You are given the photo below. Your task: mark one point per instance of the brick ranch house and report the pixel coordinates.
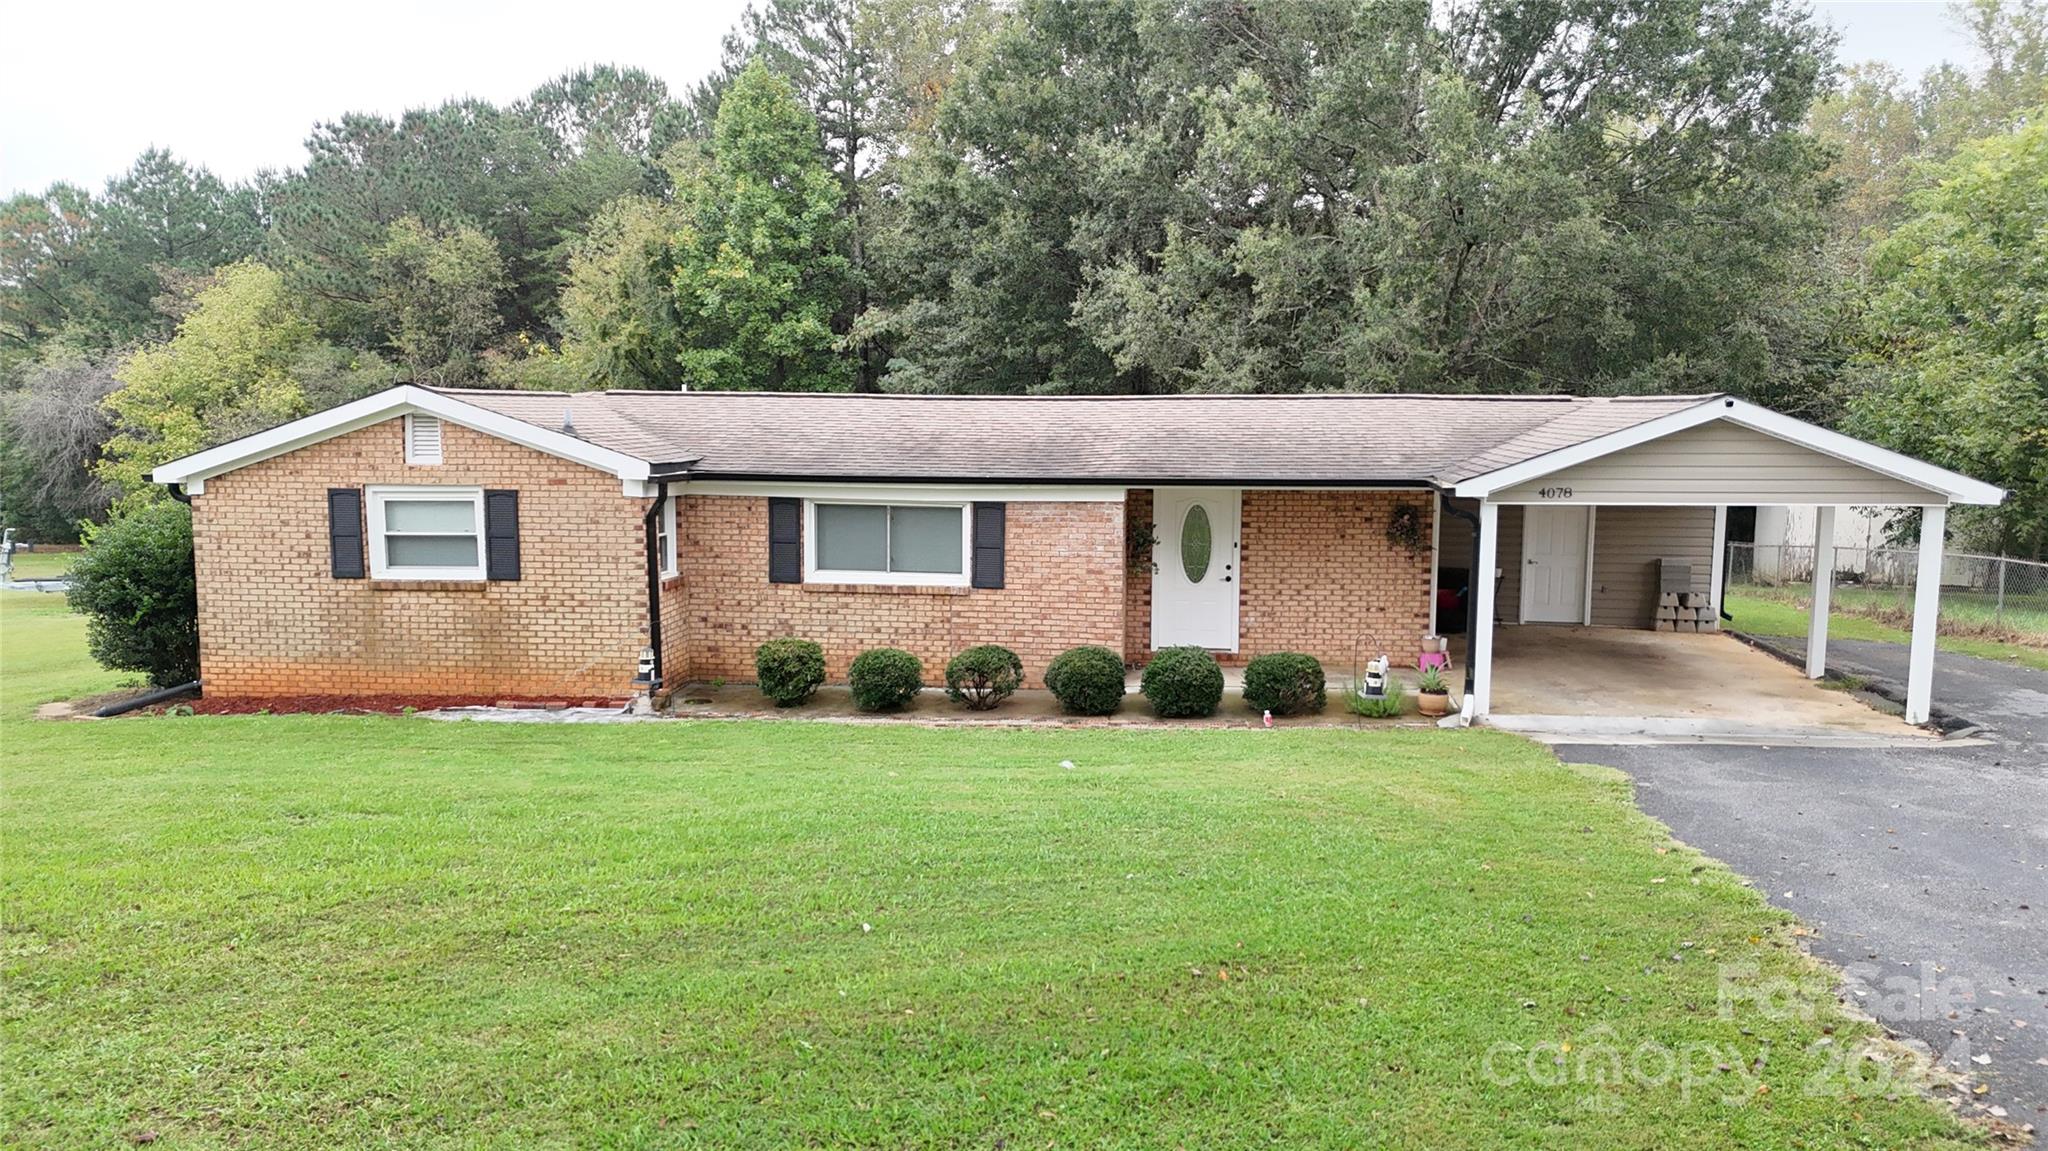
(531, 544)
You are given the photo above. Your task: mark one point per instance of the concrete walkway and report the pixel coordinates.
(1923, 870)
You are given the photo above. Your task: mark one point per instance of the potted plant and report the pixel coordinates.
(1431, 696)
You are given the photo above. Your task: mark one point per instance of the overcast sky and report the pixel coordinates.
(236, 86)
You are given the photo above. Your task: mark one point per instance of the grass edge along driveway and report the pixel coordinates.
(1783, 615)
(329, 931)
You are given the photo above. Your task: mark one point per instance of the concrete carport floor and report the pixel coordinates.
(1618, 683)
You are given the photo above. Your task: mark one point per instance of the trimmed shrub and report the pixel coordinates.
(789, 670)
(885, 679)
(1183, 682)
(1285, 683)
(984, 676)
(1087, 680)
(134, 584)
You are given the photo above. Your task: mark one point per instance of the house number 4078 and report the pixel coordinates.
(1554, 493)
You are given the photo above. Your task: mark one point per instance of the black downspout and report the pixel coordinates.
(178, 493)
(1473, 568)
(651, 525)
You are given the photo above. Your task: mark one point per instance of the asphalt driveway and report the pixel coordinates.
(1922, 871)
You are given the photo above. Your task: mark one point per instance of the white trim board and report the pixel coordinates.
(940, 493)
(1957, 487)
(403, 400)
(1592, 525)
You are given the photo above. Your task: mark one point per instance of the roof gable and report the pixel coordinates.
(194, 470)
(1892, 476)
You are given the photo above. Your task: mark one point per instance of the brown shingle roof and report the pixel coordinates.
(1340, 438)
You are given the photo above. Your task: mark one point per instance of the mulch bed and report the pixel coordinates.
(367, 704)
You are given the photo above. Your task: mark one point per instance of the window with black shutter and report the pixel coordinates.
(501, 534)
(345, 533)
(989, 526)
(785, 540)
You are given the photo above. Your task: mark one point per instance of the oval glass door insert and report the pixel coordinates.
(1195, 543)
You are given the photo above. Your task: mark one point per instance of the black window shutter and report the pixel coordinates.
(785, 540)
(988, 545)
(345, 533)
(501, 535)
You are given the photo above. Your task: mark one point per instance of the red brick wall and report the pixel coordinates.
(1318, 576)
(273, 621)
(1063, 586)
(1138, 585)
(1321, 577)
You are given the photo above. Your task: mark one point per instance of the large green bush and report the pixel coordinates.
(885, 679)
(789, 670)
(1285, 683)
(983, 676)
(1087, 680)
(1183, 682)
(135, 587)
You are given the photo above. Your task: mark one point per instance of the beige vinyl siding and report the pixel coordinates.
(1721, 463)
(1507, 602)
(1628, 542)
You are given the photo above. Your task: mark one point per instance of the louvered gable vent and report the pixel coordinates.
(422, 440)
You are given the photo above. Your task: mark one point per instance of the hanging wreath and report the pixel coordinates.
(1404, 527)
(1139, 539)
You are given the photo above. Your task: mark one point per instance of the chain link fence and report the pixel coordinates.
(1981, 594)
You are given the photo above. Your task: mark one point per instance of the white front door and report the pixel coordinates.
(1195, 567)
(1553, 564)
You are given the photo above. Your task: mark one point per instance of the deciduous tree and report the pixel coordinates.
(439, 294)
(759, 258)
(227, 372)
(1956, 366)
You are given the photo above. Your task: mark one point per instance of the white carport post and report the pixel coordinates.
(1483, 566)
(1926, 615)
(1823, 592)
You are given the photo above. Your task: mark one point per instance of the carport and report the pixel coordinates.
(1595, 533)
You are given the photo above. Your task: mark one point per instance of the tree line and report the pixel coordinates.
(1073, 196)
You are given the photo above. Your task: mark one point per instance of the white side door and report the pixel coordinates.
(1553, 564)
(1195, 567)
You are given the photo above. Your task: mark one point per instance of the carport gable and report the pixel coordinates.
(1725, 451)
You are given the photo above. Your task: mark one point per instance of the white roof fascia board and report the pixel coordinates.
(405, 399)
(1957, 487)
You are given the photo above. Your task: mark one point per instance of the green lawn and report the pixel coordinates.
(1762, 611)
(343, 932)
(42, 565)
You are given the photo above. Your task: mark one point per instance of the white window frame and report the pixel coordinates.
(379, 496)
(419, 459)
(815, 574)
(666, 539)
